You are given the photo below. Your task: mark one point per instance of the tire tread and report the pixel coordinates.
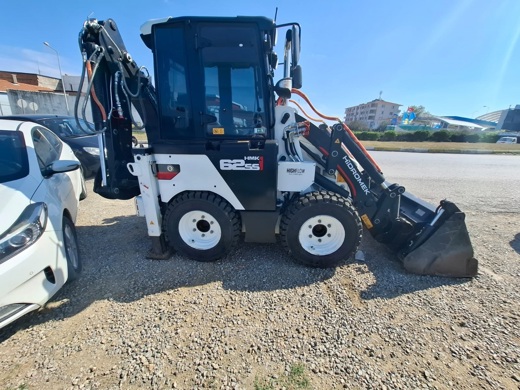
(311, 199)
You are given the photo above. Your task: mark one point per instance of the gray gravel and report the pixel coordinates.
(132, 323)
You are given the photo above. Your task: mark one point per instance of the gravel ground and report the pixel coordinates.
(250, 318)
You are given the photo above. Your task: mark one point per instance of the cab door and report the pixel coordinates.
(234, 111)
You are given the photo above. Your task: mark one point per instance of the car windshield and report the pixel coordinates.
(67, 127)
(14, 163)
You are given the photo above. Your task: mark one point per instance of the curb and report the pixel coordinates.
(425, 150)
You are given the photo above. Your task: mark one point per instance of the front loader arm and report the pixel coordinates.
(429, 240)
(377, 202)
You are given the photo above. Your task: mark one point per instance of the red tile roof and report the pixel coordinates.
(5, 85)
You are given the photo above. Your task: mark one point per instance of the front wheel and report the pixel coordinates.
(201, 225)
(84, 191)
(70, 242)
(321, 229)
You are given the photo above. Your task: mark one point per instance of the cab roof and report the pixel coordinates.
(146, 29)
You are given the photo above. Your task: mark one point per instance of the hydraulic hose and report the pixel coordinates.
(304, 113)
(91, 75)
(330, 118)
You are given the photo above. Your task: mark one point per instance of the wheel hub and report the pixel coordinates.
(321, 235)
(200, 230)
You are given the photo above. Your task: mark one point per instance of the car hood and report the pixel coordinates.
(16, 196)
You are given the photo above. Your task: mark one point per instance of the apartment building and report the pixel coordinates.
(373, 113)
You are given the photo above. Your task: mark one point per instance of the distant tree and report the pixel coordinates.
(420, 111)
(382, 126)
(358, 126)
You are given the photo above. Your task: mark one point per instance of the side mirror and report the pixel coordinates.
(295, 45)
(273, 60)
(60, 166)
(296, 75)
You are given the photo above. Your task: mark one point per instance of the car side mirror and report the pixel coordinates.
(60, 166)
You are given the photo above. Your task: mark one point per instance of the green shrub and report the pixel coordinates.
(440, 136)
(407, 137)
(388, 136)
(368, 136)
(421, 135)
(458, 137)
(489, 138)
(472, 138)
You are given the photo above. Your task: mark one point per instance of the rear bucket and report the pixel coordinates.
(447, 252)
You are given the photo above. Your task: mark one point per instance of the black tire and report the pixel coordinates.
(84, 192)
(70, 243)
(201, 225)
(321, 229)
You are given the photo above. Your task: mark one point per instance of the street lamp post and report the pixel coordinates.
(61, 76)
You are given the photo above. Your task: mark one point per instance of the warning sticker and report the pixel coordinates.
(218, 131)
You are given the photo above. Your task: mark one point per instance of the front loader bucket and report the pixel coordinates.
(447, 252)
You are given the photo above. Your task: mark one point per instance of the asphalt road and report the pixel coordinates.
(475, 182)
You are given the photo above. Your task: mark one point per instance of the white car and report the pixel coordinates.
(40, 186)
(507, 140)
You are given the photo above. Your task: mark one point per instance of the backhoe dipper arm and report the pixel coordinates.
(116, 82)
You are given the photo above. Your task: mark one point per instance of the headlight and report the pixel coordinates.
(91, 150)
(24, 232)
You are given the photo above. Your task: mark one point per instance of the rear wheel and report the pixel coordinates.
(70, 242)
(321, 229)
(201, 225)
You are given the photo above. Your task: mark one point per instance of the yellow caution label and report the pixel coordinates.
(366, 221)
(337, 141)
(218, 131)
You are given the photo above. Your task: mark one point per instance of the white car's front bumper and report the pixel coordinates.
(32, 277)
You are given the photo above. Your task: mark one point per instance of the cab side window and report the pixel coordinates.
(174, 104)
(233, 95)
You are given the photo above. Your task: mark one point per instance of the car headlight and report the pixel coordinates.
(24, 232)
(91, 150)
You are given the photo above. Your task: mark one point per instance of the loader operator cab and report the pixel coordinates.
(214, 76)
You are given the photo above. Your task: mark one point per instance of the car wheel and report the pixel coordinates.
(202, 226)
(321, 229)
(70, 242)
(84, 191)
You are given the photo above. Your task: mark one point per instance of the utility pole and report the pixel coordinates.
(61, 76)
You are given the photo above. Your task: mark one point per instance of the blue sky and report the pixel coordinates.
(453, 57)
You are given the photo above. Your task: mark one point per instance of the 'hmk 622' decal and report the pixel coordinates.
(248, 163)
